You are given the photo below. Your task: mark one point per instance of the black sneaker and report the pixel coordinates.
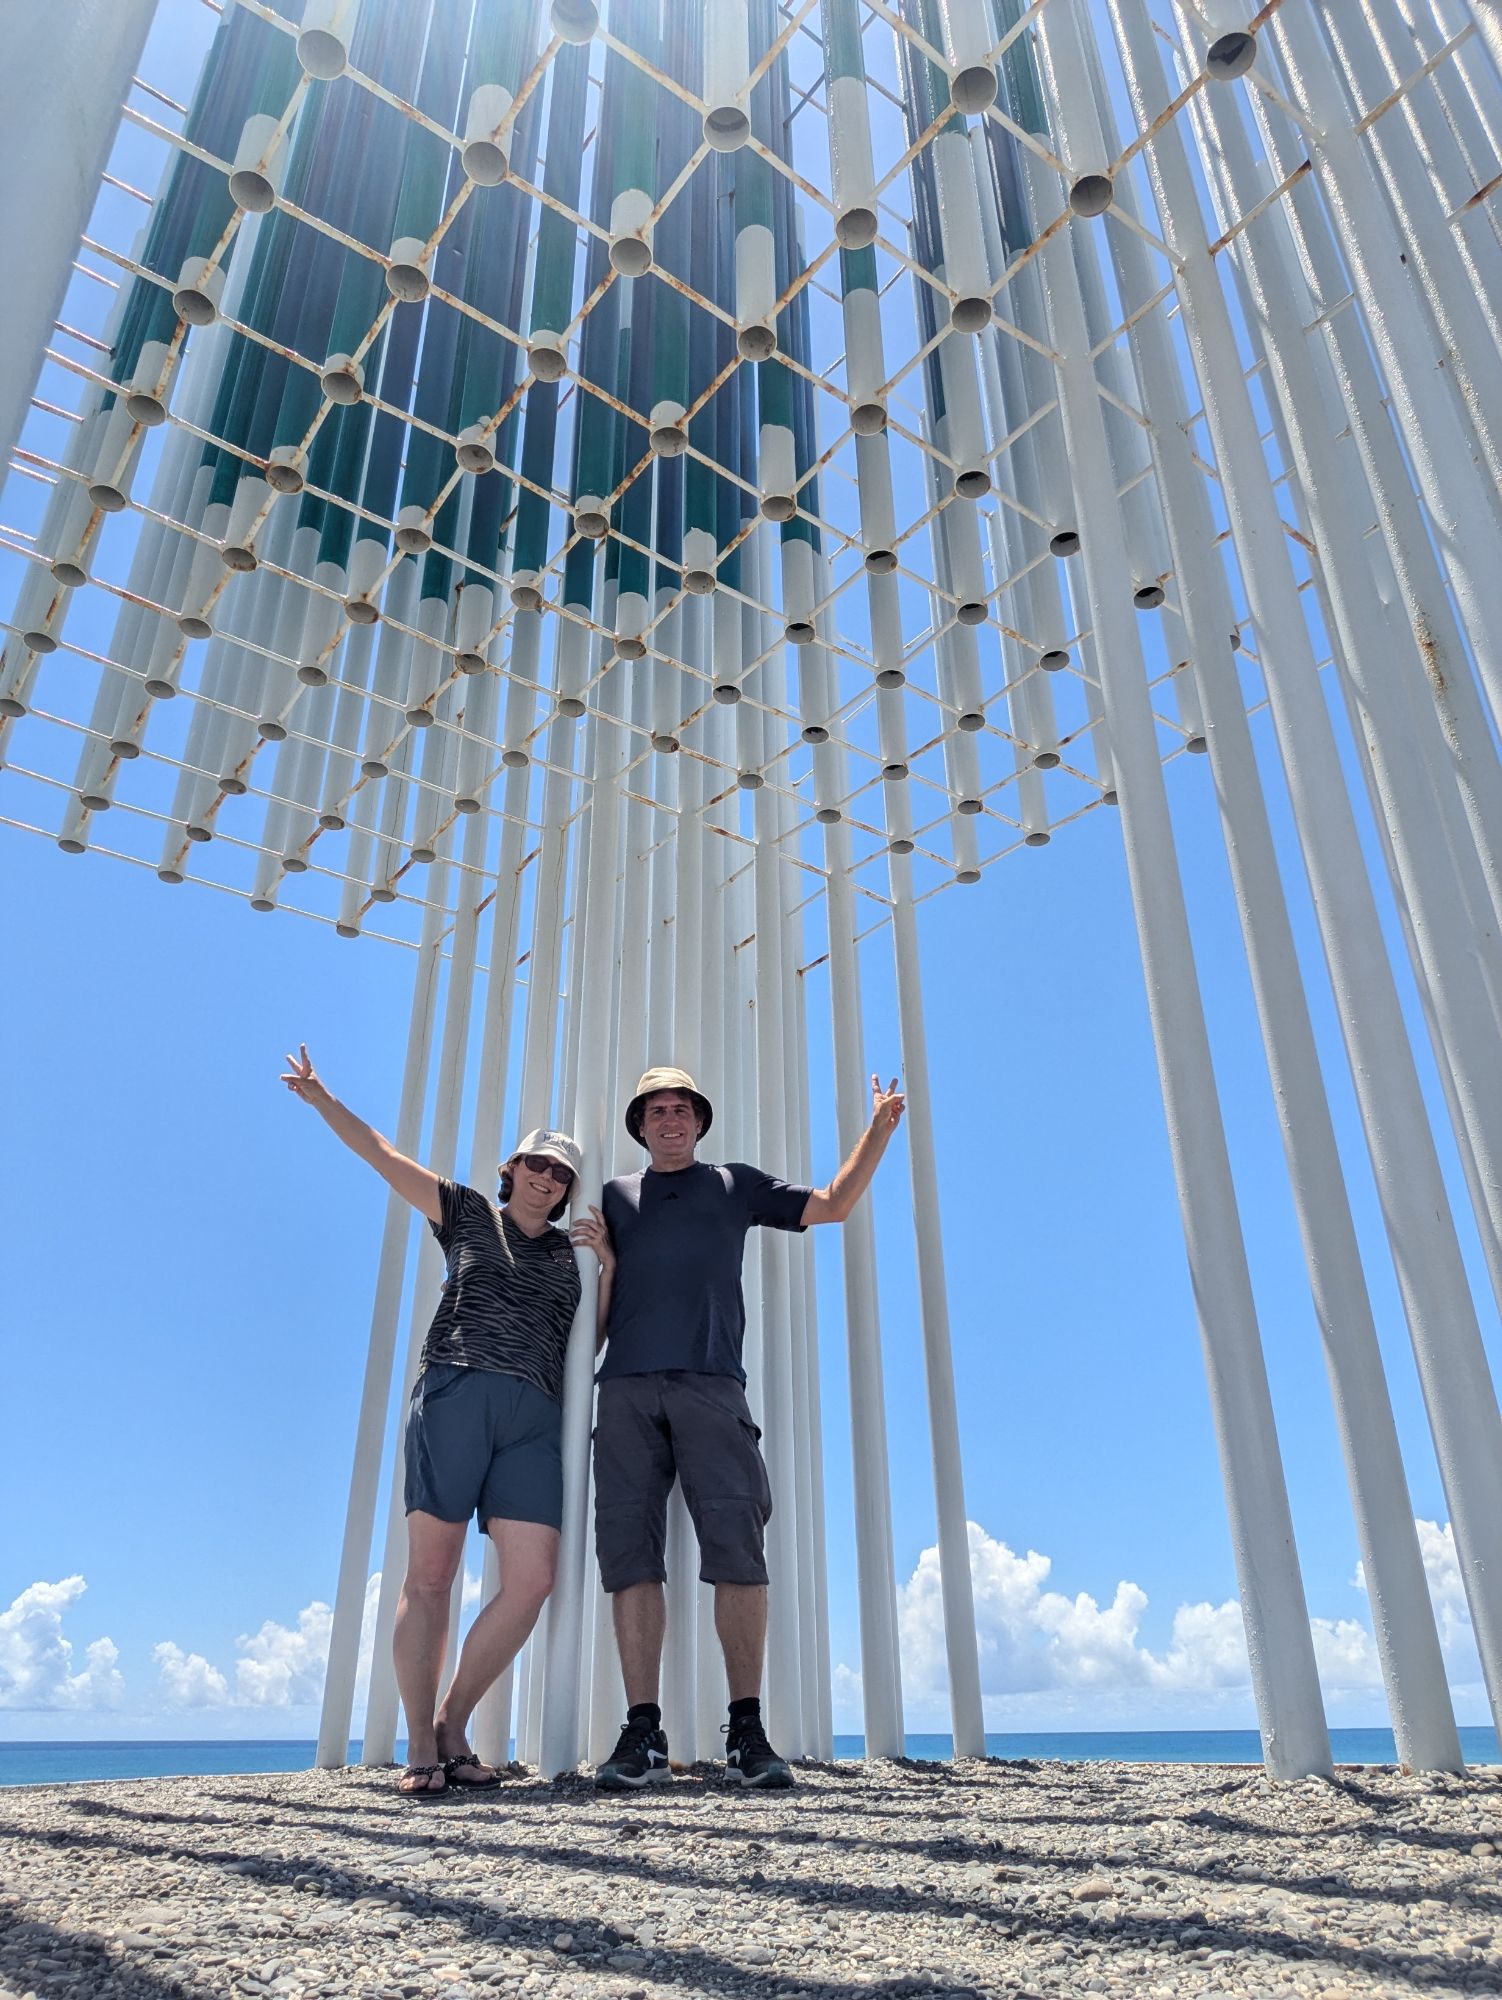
(639, 1758)
(750, 1758)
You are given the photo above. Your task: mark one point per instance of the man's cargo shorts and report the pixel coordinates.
(483, 1443)
(650, 1429)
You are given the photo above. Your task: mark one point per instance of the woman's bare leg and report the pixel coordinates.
(528, 1557)
(434, 1549)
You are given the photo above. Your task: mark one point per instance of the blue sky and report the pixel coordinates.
(189, 1265)
(189, 1260)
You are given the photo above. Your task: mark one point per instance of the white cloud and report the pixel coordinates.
(1452, 1615)
(283, 1666)
(36, 1659)
(1032, 1638)
(1346, 1654)
(1046, 1656)
(1206, 1649)
(187, 1679)
(279, 1666)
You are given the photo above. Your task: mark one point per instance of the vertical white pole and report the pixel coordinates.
(966, 1718)
(881, 1671)
(1285, 1682)
(1431, 615)
(784, 1709)
(1402, 1616)
(375, 1393)
(493, 1717)
(381, 1704)
(65, 75)
(1442, 1320)
(1461, 500)
(560, 1736)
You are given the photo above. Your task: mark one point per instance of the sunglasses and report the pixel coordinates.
(540, 1163)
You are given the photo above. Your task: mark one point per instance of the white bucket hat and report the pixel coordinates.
(666, 1079)
(552, 1145)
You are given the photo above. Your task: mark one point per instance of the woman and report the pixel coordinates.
(484, 1430)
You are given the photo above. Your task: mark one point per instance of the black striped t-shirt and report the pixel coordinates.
(509, 1298)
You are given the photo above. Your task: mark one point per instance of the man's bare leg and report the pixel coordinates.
(434, 1549)
(740, 1618)
(640, 1615)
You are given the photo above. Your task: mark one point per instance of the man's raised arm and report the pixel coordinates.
(835, 1202)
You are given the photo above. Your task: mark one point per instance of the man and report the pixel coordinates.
(672, 1403)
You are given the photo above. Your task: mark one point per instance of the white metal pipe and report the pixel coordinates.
(1438, 871)
(967, 45)
(65, 77)
(807, 1389)
(960, 228)
(1452, 149)
(1062, 30)
(1436, 631)
(966, 1717)
(1441, 1317)
(379, 1741)
(375, 1392)
(1284, 1678)
(1402, 1616)
(1461, 500)
(784, 1707)
(352, 665)
(852, 174)
(727, 72)
(561, 1719)
(881, 1672)
(1449, 287)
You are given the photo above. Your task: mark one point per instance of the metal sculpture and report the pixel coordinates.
(603, 527)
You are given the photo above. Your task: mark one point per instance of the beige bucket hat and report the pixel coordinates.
(666, 1079)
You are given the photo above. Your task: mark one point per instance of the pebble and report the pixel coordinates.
(972, 1881)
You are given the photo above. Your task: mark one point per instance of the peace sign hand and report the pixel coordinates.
(887, 1106)
(301, 1079)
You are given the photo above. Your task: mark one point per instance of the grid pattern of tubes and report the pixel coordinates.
(954, 650)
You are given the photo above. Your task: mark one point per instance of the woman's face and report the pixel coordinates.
(537, 1190)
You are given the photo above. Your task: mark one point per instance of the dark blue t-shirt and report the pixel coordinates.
(679, 1240)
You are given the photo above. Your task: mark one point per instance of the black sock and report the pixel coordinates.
(645, 1711)
(747, 1709)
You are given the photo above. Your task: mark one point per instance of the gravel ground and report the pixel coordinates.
(1007, 1879)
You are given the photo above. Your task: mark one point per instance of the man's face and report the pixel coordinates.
(670, 1126)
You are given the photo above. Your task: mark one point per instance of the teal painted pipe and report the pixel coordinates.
(681, 56)
(503, 44)
(699, 477)
(596, 425)
(429, 172)
(776, 461)
(553, 278)
(851, 174)
(633, 104)
(398, 35)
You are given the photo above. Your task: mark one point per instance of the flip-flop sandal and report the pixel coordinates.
(423, 1792)
(453, 1764)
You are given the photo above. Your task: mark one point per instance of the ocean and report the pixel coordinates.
(80, 1763)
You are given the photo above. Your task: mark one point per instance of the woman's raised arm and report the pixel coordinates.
(413, 1183)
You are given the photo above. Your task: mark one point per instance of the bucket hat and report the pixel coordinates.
(666, 1079)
